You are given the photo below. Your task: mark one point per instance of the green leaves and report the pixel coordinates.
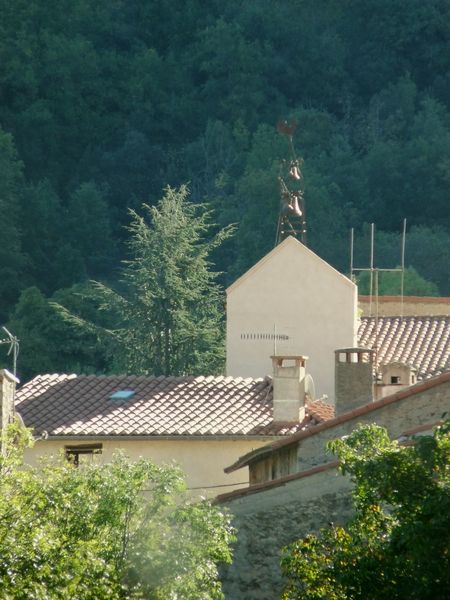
(107, 102)
(397, 544)
(167, 318)
(114, 531)
(12, 259)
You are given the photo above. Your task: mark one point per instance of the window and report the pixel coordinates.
(82, 453)
(122, 395)
(395, 379)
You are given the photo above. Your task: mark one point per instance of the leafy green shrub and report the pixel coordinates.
(398, 543)
(113, 531)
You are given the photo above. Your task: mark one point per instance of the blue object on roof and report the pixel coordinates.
(122, 395)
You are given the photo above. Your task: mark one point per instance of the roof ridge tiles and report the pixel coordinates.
(417, 339)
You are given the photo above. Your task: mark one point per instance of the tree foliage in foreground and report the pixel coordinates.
(116, 531)
(398, 543)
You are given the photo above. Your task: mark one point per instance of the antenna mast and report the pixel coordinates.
(374, 273)
(292, 215)
(13, 342)
(13, 347)
(403, 266)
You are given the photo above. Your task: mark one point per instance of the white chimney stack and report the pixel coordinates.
(289, 388)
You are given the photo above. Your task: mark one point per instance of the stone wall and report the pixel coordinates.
(407, 413)
(272, 515)
(271, 519)
(7, 391)
(353, 380)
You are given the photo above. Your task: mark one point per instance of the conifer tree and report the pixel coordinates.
(11, 256)
(167, 312)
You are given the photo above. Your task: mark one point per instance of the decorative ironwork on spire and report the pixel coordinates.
(292, 216)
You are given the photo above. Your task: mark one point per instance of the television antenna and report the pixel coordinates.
(374, 275)
(374, 271)
(13, 342)
(292, 215)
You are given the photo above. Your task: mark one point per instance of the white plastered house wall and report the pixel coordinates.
(297, 298)
(202, 460)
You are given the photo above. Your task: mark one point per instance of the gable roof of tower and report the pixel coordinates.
(292, 242)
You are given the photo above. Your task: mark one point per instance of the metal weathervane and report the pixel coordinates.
(292, 216)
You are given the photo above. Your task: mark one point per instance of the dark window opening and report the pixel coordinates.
(395, 379)
(83, 453)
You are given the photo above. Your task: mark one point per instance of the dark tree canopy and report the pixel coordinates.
(166, 315)
(103, 104)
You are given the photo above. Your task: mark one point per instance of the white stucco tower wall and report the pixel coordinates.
(294, 303)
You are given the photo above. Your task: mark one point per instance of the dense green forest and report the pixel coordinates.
(103, 103)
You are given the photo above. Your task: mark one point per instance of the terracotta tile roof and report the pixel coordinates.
(272, 483)
(320, 411)
(422, 342)
(266, 450)
(161, 406)
(408, 299)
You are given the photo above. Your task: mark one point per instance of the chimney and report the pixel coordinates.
(7, 393)
(289, 388)
(353, 380)
(395, 376)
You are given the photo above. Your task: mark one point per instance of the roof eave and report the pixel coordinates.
(422, 386)
(150, 437)
(290, 240)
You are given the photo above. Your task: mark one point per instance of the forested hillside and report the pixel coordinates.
(103, 103)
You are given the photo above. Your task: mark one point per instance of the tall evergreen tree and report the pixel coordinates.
(168, 314)
(48, 344)
(89, 229)
(11, 257)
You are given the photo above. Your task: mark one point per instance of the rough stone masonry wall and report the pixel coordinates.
(6, 399)
(269, 520)
(412, 411)
(7, 387)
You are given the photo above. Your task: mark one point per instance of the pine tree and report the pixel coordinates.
(168, 313)
(48, 344)
(11, 256)
(89, 229)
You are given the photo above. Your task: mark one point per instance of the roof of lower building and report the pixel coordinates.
(422, 342)
(71, 405)
(90, 405)
(368, 407)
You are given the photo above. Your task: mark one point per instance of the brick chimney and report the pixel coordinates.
(353, 381)
(289, 388)
(7, 391)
